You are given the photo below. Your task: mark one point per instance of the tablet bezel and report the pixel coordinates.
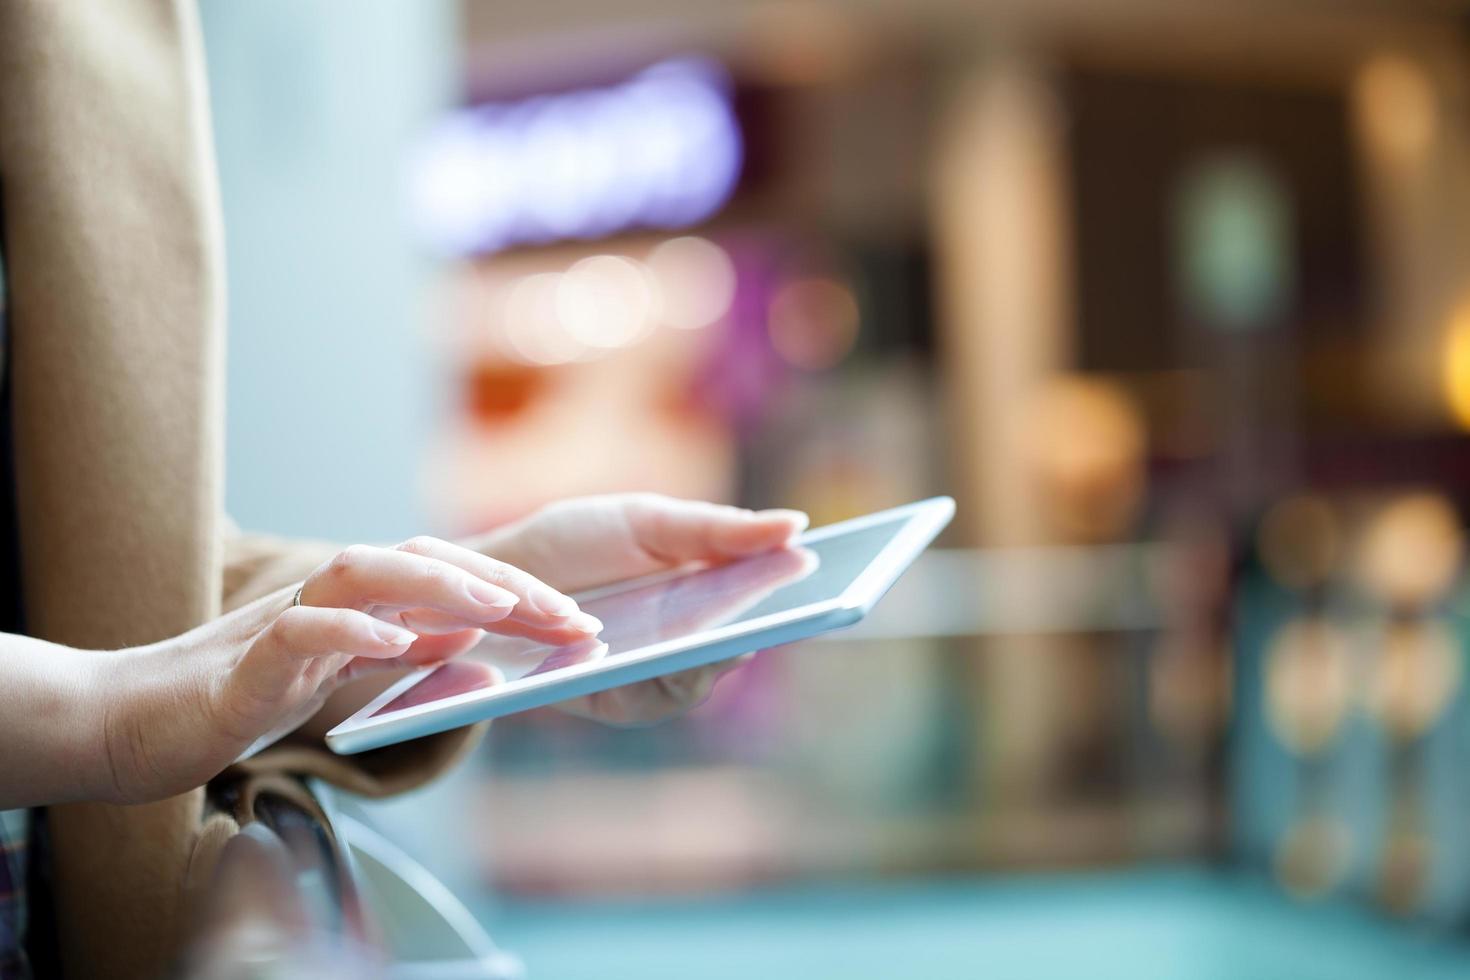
(924, 520)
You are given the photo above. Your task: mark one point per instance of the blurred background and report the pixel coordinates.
(1174, 298)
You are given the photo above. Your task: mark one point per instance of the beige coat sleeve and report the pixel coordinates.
(256, 565)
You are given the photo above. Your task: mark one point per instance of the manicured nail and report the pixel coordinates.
(585, 623)
(551, 602)
(394, 636)
(491, 595)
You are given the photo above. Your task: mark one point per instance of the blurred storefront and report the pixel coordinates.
(1171, 297)
(1169, 301)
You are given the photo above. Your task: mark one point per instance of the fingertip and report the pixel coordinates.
(548, 601)
(793, 521)
(492, 597)
(495, 614)
(585, 623)
(386, 649)
(806, 562)
(389, 635)
(765, 530)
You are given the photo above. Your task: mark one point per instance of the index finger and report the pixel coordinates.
(539, 604)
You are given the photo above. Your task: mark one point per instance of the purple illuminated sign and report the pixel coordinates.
(660, 150)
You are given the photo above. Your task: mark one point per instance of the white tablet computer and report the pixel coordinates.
(827, 579)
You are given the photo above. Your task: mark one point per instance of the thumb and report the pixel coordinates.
(677, 531)
(300, 651)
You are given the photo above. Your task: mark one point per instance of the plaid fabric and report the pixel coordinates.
(12, 828)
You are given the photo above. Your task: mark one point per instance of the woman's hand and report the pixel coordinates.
(178, 712)
(586, 542)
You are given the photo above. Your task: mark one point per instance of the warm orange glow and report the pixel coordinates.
(1087, 445)
(1455, 366)
(1396, 107)
(1411, 550)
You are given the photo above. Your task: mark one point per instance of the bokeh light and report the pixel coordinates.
(696, 279)
(1396, 106)
(533, 325)
(1411, 550)
(813, 322)
(1455, 366)
(607, 302)
(1086, 445)
(1416, 676)
(1235, 238)
(661, 150)
(1309, 684)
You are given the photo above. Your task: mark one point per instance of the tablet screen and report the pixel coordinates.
(638, 615)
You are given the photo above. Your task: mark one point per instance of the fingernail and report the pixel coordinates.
(491, 595)
(585, 623)
(799, 518)
(394, 636)
(552, 602)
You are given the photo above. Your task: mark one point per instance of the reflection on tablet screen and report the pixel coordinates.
(639, 615)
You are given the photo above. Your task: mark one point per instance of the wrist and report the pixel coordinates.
(87, 708)
(105, 686)
(129, 694)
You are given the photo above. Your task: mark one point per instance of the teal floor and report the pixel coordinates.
(1174, 923)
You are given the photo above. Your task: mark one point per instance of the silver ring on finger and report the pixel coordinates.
(296, 599)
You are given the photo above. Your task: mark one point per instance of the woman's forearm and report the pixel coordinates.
(51, 747)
